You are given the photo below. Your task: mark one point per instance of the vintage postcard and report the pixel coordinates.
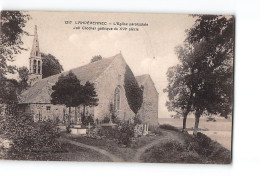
(116, 87)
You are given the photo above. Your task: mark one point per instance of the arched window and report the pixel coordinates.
(117, 99)
(39, 67)
(34, 66)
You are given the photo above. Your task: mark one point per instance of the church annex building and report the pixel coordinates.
(108, 77)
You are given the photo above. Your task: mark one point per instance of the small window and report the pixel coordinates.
(48, 108)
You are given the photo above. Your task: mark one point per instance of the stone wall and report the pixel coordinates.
(149, 110)
(57, 113)
(106, 84)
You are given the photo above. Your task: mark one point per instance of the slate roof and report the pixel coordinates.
(41, 91)
(141, 79)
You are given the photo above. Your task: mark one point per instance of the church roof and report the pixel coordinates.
(141, 79)
(41, 91)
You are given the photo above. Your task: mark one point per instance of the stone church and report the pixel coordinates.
(108, 77)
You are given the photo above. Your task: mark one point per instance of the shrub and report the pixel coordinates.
(213, 150)
(30, 138)
(106, 119)
(155, 130)
(87, 119)
(122, 133)
(126, 133)
(169, 127)
(204, 142)
(169, 152)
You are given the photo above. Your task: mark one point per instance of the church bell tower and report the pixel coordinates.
(35, 69)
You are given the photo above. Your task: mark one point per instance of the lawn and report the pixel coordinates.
(126, 153)
(220, 131)
(67, 152)
(190, 149)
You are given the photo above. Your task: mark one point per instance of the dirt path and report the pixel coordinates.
(112, 157)
(169, 136)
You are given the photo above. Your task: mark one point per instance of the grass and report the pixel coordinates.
(169, 127)
(220, 131)
(67, 152)
(200, 150)
(126, 153)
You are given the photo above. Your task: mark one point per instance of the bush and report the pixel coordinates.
(30, 138)
(85, 120)
(213, 150)
(123, 133)
(155, 130)
(126, 133)
(204, 142)
(106, 119)
(169, 152)
(169, 127)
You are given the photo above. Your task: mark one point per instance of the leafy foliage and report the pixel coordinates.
(8, 91)
(133, 92)
(96, 58)
(12, 24)
(29, 138)
(50, 65)
(87, 119)
(203, 81)
(88, 95)
(24, 76)
(66, 90)
(71, 93)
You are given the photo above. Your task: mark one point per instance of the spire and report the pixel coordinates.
(35, 71)
(35, 52)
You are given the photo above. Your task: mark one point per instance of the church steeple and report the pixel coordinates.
(35, 71)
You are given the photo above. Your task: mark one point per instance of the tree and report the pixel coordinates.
(88, 95)
(133, 92)
(181, 85)
(8, 92)
(96, 58)
(67, 91)
(203, 81)
(50, 65)
(12, 24)
(23, 76)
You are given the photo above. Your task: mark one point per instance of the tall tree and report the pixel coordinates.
(23, 76)
(50, 65)
(133, 92)
(181, 84)
(209, 60)
(88, 95)
(96, 58)
(67, 91)
(11, 32)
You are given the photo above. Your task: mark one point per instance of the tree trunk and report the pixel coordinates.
(196, 127)
(69, 115)
(184, 123)
(76, 115)
(84, 110)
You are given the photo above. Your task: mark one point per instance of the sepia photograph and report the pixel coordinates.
(116, 87)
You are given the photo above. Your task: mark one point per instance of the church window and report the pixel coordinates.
(34, 66)
(36, 53)
(39, 67)
(117, 99)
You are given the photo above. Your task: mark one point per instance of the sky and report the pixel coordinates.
(150, 50)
